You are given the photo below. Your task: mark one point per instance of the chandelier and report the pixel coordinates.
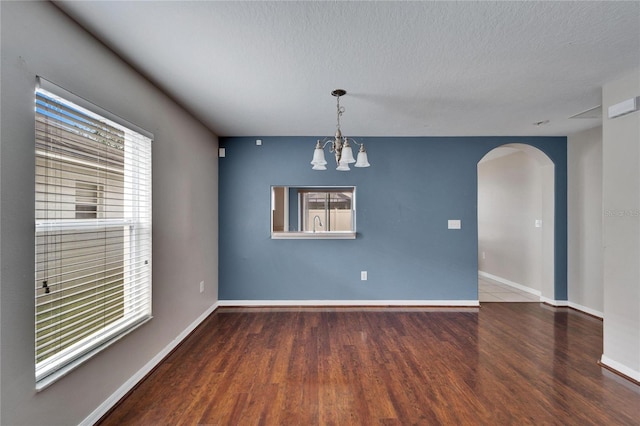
(340, 145)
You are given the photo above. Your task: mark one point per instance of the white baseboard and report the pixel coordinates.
(140, 374)
(586, 310)
(621, 368)
(510, 283)
(539, 294)
(554, 302)
(456, 303)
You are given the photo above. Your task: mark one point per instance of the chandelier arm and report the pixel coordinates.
(326, 141)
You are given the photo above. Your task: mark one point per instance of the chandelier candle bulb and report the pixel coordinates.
(318, 161)
(362, 158)
(347, 154)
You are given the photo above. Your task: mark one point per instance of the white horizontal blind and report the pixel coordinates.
(93, 232)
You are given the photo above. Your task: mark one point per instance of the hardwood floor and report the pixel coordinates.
(501, 364)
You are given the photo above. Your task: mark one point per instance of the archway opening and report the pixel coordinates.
(516, 225)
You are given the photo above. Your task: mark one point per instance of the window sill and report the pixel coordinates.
(313, 235)
(55, 375)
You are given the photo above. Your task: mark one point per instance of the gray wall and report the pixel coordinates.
(621, 233)
(584, 153)
(414, 185)
(37, 39)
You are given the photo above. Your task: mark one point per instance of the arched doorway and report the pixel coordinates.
(516, 224)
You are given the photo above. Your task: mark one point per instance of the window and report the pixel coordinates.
(88, 196)
(326, 211)
(93, 230)
(308, 212)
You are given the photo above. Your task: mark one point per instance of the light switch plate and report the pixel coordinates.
(455, 224)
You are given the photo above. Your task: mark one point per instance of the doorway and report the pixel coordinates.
(515, 225)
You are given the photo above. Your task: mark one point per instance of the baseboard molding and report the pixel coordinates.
(586, 310)
(620, 369)
(113, 399)
(553, 302)
(543, 299)
(510, 283)
(566, 304)
(451, 303)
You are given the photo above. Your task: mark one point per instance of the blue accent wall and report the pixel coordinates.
(414, 185)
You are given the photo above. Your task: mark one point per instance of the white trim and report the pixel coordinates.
(510, 283)
(539, 294)
(621, 368)
(331, 235)
(460, 303)
(112, 400)
(586, 310)
(50, 371)
(553, 302)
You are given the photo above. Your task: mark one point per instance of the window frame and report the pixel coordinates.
(136, 240)
(287, 209)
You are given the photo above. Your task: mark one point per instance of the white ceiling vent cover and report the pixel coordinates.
(624, 107)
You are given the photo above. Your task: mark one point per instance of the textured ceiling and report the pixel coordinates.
(410, 68)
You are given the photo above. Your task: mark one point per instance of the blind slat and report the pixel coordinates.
(90, 310)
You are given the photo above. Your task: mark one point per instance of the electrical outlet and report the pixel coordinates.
(484, 255)
(363, 275)
(201, 286)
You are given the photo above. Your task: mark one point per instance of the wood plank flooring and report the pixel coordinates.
(501, 364)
